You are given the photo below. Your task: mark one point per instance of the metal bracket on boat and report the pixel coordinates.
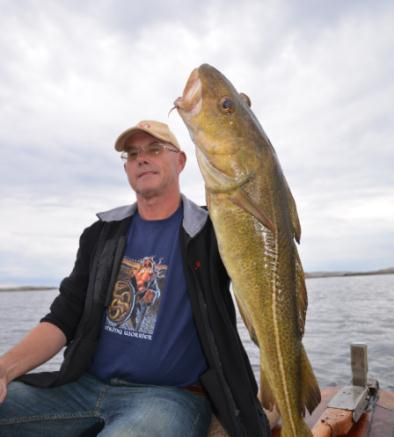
(349, 404)
(352, 398)
(356, 397)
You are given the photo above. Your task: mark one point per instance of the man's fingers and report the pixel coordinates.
(3, 392)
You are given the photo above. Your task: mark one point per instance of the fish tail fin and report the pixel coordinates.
(310, 391)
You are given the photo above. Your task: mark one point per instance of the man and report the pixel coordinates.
(157, 371)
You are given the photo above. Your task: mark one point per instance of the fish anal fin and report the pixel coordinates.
(265, 395)
(241, 199)
(310, 392)
(246, 320)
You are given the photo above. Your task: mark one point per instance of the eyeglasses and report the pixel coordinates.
(153, 149)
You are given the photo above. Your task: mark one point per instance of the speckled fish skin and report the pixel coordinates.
(256, 223)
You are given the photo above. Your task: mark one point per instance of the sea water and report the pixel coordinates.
(341, 310)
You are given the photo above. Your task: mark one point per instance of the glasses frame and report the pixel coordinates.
(163, 146)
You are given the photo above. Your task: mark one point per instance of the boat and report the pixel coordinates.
(360, 409)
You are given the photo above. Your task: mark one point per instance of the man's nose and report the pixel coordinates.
(141, 162)
(141, 156)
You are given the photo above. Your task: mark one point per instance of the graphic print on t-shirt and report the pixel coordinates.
(136, 298)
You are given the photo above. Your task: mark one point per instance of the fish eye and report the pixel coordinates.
(227, 105)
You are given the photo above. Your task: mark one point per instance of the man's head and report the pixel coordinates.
(153, 159)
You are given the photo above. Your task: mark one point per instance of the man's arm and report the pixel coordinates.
(58, 327)
(40, 344)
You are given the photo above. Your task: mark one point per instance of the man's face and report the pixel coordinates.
(156, 175)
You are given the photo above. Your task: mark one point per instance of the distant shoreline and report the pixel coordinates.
(312, 275)
(308, 275)
(28, 288)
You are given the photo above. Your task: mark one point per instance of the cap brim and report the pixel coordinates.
(153, 128)
(120, 142)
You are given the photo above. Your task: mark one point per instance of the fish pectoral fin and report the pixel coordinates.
(241, 199)
(310, 391)
(216, 180)
(265, 395)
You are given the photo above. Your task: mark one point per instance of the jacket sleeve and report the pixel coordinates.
(66, 309)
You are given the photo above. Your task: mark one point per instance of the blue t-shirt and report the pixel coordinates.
(148, 334)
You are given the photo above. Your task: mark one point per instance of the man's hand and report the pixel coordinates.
(3, 382)
(40, 344)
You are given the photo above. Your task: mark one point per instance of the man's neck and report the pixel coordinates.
(157, 208)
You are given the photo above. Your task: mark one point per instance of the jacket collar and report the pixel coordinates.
(194, 217)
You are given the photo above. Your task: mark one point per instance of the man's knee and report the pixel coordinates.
(17, 401)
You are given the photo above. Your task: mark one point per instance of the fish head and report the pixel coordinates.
(222, 126)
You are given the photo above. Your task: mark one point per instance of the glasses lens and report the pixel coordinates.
(150, 149)
(154, 148)
(132, 154)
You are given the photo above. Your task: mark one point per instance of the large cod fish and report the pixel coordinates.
(255, 220)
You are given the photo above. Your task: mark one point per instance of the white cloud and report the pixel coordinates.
(74, 75)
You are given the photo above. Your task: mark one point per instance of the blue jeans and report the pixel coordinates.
(90, 407)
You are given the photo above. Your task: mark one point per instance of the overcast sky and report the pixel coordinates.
(75, 74)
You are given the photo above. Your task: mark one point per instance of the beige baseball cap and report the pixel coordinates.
(159, 130)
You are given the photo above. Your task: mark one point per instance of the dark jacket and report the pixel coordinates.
(78, 311)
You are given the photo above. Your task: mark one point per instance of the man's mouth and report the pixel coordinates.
(147, 173)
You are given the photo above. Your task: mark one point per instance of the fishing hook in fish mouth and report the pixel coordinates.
(169, 112)
(176, 105)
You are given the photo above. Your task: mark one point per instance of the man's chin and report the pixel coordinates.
(148, 192)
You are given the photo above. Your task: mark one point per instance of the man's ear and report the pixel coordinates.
(181, 161)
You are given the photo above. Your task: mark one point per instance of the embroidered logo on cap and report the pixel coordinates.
(144, 125)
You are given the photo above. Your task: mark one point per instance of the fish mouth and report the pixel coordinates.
(191, 101)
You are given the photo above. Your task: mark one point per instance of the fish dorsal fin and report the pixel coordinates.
(302, 296)
(241, 199)
(295, 221)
